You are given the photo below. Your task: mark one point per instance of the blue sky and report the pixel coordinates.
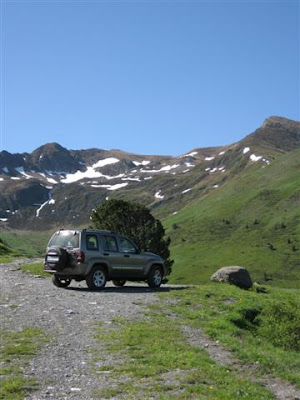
(150, 77)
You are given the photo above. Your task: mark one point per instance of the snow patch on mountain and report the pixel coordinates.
(22, 172)
(51, 180)
(106, 161)
(131, 179)
(111, 187)
(137, 163)
(40, 208)
(186, 190)
(91, 172)
(255, 158)
(158, 195)
(167, 168)
(246, 150)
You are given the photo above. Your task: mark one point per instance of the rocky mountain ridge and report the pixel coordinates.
(53, 186)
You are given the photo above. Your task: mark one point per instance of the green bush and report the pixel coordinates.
(279, 322)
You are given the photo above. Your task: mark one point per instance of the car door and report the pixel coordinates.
(111, 253)
(133, 264)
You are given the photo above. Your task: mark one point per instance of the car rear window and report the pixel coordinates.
(65, 239)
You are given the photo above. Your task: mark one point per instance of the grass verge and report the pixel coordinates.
(248, 323)
(16, 351)
(34, 269)
(157, 362)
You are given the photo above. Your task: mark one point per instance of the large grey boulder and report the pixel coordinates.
(239, 276)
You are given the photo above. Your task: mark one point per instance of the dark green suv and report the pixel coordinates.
(98, 256)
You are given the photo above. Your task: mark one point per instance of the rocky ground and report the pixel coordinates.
(64, 366)
(69, 316)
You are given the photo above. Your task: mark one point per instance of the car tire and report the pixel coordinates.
(155, 278)
(60, 282)
(119, 282)
(97, 278)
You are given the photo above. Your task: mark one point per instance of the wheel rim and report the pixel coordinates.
(157, 277)
(99, 278)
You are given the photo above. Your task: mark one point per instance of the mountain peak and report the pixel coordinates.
(52, 156)
(279, 122)
(49, 148)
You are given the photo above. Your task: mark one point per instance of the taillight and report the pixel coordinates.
(80, 256)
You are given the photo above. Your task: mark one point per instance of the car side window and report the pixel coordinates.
(91, 242)
(126, 246)
(109, 243)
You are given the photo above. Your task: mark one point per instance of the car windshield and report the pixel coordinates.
(65, 239)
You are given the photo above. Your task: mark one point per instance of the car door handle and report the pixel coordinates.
(106, 254)
(126, 255)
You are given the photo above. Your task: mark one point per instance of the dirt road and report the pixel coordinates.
(63, 369)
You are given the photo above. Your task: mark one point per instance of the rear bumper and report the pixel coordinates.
(76, 270)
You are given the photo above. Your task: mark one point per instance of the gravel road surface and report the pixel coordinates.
(63, 368)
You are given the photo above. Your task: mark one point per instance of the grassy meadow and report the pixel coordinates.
(252, 221)
(154, 356)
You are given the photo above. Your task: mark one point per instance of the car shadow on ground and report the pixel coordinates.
(130, 289)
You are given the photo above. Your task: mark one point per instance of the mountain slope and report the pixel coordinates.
(234, 204)
(54, 186)
(252, 220)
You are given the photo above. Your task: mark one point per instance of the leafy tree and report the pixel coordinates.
(136, 222)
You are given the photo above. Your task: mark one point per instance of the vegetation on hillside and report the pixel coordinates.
(6, 253)
(252, 221)
(25, 244)
(4, 248)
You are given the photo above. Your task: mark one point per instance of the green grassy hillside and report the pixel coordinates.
(6, 253)
(253, 220)
(4, 249)
(27, 244)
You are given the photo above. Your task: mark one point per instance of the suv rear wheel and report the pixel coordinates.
(60, 282)
(155, 278)
(96, 280)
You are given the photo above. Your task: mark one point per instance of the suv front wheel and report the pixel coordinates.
(96, 280)
(155, 278)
